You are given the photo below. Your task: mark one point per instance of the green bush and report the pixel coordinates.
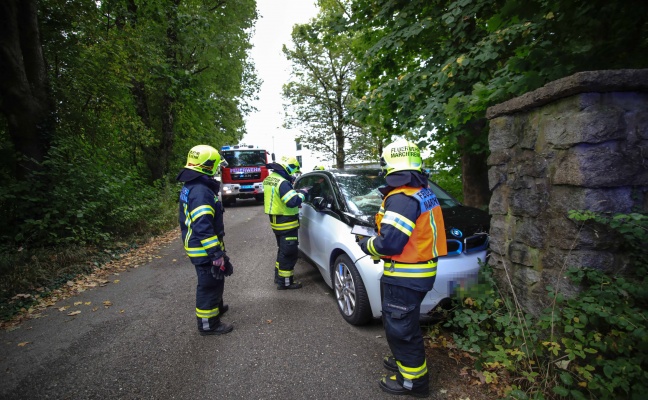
(54, 225)
(80, 198)
(593, 345)
(450, 181)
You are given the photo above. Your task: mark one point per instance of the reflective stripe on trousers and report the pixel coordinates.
(401, 309)
(287, 255)
(209, 298)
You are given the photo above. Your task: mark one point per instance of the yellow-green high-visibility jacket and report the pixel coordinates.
(279, 196)
(281, 202)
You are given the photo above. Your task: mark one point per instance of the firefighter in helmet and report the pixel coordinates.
(282, 204)
(201, 226)
(411, 237)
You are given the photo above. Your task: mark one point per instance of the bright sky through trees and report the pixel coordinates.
(273, 29)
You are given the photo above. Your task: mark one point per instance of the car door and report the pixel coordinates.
(305, 214)
(317, 225)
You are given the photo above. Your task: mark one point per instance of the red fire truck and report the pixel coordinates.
(242, 177)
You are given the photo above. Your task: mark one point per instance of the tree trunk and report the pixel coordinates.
(158, 157)
(340, 154)
(24, 87)
(474, 169)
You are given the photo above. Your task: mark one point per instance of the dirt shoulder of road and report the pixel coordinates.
(134, 258)
(453, 374)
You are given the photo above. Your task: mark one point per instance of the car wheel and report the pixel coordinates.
(350, 292)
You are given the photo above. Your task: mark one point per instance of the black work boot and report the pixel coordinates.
(390, 385)
(389, 362)
(223, 309)
(294, 285)
(220, 329)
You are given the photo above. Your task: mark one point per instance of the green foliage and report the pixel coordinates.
(591, 345)
(450, 181)
(80, 197)
(135, 85)
(319, 93)
(436, 66)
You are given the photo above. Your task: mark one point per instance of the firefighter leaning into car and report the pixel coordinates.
(201, 226)
(411, 237)
(282, 204)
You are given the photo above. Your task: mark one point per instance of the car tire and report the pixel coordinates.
(350, 293)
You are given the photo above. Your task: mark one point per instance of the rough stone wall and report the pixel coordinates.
(579, 143)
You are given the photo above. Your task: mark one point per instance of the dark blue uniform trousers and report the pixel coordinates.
(287, 255)
(401, 309)
(209, 298)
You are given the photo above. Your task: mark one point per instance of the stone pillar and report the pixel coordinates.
(579, 143)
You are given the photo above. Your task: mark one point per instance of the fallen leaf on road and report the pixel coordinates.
(121, 311)
(95, 308)
(74, 313)
(87, 303)
(23, 344)
(116, 281)
(268, 321)
(136, 256)
(76, 303)
(107, 303)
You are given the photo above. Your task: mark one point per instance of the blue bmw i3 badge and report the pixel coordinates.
(456, 232)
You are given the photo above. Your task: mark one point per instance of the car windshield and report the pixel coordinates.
(245, 158)
(360, 189)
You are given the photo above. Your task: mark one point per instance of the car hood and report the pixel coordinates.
(469, 220)
(363, 220)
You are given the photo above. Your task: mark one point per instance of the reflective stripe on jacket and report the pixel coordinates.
(279, 196)
(201, 221)
(415, 237)
(427, 239)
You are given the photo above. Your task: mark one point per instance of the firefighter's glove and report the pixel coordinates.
(229, 268)
(218, 268)
(363, 244)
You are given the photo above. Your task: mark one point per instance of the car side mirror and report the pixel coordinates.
(319, 203)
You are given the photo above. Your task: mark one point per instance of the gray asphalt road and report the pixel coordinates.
(285, 344)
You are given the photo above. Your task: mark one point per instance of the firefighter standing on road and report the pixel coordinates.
(411, 237)
(201, 226)
(281, 203)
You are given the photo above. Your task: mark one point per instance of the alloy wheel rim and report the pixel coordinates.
(345, 292)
